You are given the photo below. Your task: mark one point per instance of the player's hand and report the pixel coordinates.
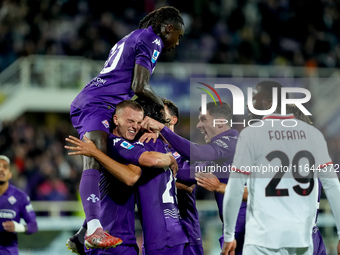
(229, 248)
(151, 125)
(208, 181)
(86, 147)
(173, 165)
(147, 137)
(188, 189)
(8, 226)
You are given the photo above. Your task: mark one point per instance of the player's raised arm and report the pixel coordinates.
(141, 87)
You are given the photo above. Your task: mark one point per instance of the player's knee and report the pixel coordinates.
(90, 163)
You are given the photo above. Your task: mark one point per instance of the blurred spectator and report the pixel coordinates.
(241, 32)
(41, 166)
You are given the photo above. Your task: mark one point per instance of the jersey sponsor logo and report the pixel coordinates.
(93, 198)
(106, 123)
(127, 145)
(155, 55)
(12, 200)
(157, 42)
(176, 155)
(7, 214)
(29, 208)
(116, 140)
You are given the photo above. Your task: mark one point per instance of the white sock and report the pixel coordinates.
(92, 225)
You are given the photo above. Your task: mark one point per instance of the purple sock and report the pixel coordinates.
(89, 193)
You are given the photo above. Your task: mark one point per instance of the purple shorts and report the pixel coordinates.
(91, 118)
(196, 249)
(119, 250)
(176, 250)
(318, 245)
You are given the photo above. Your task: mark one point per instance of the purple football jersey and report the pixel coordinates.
(219, 152)
(156, 197)
(117, 199)
(14, 205)
(157, 206)
(113, 84)
(187, 203)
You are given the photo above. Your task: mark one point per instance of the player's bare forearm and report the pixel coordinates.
(126, 174)
(141, 87)
(156, 159)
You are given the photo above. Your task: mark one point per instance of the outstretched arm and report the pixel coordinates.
(159, 160)
(128, 174)
(140, 84)
(187, 149)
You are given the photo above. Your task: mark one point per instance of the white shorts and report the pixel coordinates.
(260, 250)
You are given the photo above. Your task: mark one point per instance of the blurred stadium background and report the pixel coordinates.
(49, 49)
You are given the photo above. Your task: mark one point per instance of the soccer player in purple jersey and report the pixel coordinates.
(116, 185)
(156, 200)
(14, 205)
(186, 188)
(220, 148)
(126, 73)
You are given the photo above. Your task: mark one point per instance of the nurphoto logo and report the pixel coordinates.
(238, 102)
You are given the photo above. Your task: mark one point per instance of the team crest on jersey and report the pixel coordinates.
(116, 140)
(176, 155)
(157, 42)
(29, 208)
(12, 200)
(127, 145)
(155, 55)
(106, 123)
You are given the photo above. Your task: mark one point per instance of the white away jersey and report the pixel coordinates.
(282, 190)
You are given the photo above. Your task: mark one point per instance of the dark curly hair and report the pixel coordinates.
(152, 109)
(164, 15)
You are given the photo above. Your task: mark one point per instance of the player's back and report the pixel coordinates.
(157, 206)
(282, 191)
(113, 84)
